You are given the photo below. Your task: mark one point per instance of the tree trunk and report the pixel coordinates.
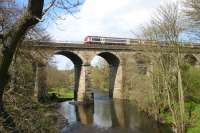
(180, 94)
(10, 42)
(13, 75)
(13, 37)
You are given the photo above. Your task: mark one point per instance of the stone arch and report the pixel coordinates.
(77, 61)
(75, 58)
(115, 74)
(190, 59)
(111, 58)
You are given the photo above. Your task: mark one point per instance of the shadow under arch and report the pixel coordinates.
(114, 63)
(190, 59)
(77, 61)
(110, 58)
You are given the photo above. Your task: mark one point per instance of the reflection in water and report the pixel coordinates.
(108, 116)
(84, 114)
(119, 112)
(102, 114)
(68, 112)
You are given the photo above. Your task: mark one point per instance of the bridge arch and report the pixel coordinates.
(115, 73)
(77, 60)
(111, 58)
(190, 59)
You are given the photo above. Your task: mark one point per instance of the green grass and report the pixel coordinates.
(62, 92)
(167, 117)
(195, 119)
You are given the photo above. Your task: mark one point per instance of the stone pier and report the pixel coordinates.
(84, 83)
(40, 87)
(118, 82)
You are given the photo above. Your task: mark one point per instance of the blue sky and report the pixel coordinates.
(116, 18)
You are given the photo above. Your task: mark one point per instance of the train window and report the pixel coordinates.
(134, 41)
(110, 40)
(95, 39)
(121, 40)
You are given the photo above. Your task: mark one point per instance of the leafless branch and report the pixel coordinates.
(52, 3)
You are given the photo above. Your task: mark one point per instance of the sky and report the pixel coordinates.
(117, 18)
(114, 18)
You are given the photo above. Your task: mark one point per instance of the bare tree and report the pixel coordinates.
(166, 24)
(12, 35)
(30, 17)
(192, 11)
(12, 38)
(166, 27)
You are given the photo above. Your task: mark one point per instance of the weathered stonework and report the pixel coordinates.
(116, 55)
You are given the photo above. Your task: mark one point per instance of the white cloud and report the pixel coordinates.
(105, 18)
(62, 62)
(115, 18)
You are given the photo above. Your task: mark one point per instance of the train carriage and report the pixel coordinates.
(128, 41)
(117, 41)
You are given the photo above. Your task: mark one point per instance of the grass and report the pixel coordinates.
(62, 92)
(167, 117)
(193, 110)
(195, 119)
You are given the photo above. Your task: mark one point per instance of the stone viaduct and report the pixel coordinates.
(82, 54)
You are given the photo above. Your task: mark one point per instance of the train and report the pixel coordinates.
(117, 41)
(129, 41)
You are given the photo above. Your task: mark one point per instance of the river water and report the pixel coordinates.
(108, 116)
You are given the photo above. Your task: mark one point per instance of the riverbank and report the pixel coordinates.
(192, 117)
(62, 93)
(31, 116)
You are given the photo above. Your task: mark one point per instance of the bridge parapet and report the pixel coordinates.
(99, 47)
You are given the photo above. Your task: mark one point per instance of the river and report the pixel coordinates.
(108, 116)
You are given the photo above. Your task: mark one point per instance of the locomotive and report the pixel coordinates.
(113, 41)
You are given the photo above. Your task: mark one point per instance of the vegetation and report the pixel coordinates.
(100, 76)
(59, 78)
(192, 15)
(18, 110)
(174, 82)
(27, 113)
(191, 83)
(30, 116)
(61, 92)
(194, 118)
(169, 90)
(60, 82)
